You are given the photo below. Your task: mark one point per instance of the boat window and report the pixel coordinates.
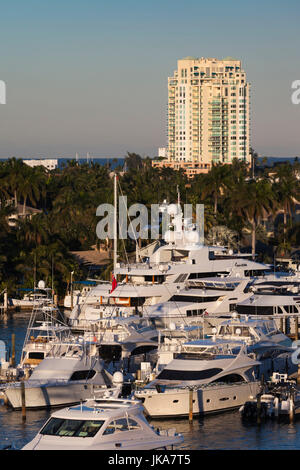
(193, 299)
(83, 374)
(236, 330)
(36, 355)
(121, 425)
(110, 429)
(110, 352)
(143, 349)
(133, 424)
(254, 310)
(207, 274)
(71, 427)
(181, 278)
(195, 313)
(169, 374)
(230, 378)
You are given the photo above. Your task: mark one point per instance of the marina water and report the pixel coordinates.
(221, 431)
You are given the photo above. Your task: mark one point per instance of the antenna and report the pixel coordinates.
(178, 196)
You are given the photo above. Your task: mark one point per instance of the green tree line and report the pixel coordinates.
(234, 197)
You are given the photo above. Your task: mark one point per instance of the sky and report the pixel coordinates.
(91, 76)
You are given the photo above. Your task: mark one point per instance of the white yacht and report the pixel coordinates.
(272, 299)
(37, 297)
(67, 375)
(262, 339)
(205, 377)
(212, 296)
(80, 296)
(179, 257)
(43, 331)
(39, 342)
(102, 424)
(123, 343)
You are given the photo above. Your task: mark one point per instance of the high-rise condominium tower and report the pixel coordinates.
(208, 113)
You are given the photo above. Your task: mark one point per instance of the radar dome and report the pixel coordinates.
(118, 378)
(173, 209)
(192, 236)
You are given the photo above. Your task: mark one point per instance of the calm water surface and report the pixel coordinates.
(224, 431)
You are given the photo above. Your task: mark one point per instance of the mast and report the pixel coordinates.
(115, 221)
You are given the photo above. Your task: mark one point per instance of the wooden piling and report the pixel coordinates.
(259, 408)
(296, 328)
(292, 408)
(276, 406)
(286, 325)
(5, 301)
(23, 399)
(298, 375)
(281, 325)
(190, 405)
(13, 350)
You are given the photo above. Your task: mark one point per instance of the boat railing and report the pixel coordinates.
(151, 266)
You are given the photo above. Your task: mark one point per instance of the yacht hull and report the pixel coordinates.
(46, 396)
(176, 402)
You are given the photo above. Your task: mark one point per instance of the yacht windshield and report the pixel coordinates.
(71, 427)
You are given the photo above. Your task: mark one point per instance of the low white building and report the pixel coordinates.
(49, 163)
(163, 152)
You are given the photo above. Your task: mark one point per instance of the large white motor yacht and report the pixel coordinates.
(158, 273)
(205, 374)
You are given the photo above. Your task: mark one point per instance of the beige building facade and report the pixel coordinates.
(208, 114)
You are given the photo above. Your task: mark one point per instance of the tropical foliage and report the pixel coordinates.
(239, 206)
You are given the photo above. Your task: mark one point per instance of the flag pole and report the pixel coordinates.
(115, 222)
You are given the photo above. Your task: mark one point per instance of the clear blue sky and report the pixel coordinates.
(91, 76)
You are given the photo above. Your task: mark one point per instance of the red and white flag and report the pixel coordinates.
(113, 283)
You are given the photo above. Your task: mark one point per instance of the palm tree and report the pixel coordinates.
(215, 184)
(287, 190)
(254, 200)
(15, 169)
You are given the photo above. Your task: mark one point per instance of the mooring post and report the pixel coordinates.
(296, 329)
(5, 301)
(276, 406)
(190, 405)
(281, 325)
(286, 325)
(292, 408)
(13, 350)
(259, 408)
(298, 374)
(23, 398)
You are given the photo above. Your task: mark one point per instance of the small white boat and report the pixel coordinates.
(32, 299)
(102, 424)
(280, 397)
